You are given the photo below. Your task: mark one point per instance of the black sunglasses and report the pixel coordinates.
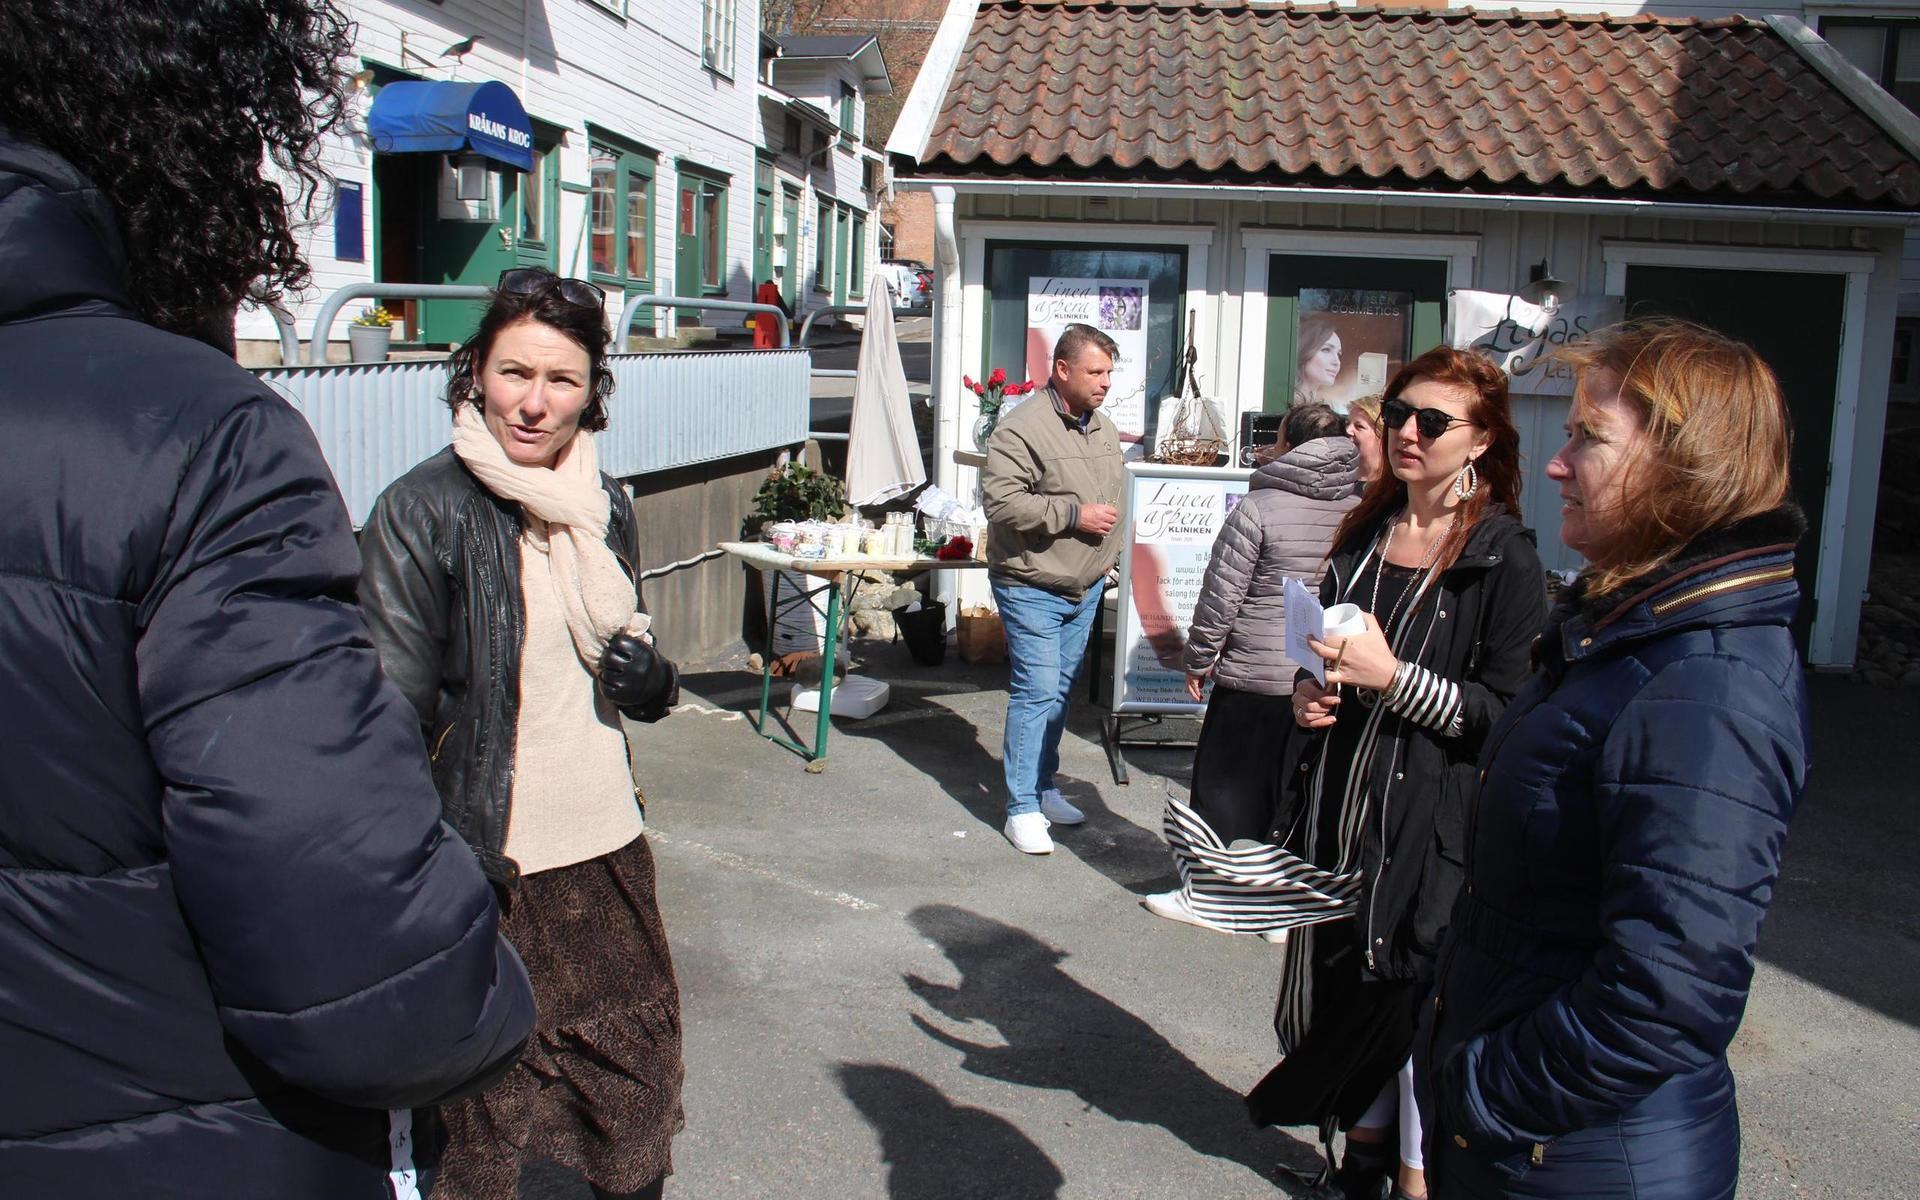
(531, 281)
(1431, 422)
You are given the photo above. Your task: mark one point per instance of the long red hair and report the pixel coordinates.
(1498, 465)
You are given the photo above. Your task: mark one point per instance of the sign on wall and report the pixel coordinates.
(1348, 342)
(1523, 337)
(1116, 307)
(1173, 515)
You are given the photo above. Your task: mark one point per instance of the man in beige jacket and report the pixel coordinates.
(1053, 485)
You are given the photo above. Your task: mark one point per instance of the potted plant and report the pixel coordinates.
(370, 335)
(993, 395)
(792, 492)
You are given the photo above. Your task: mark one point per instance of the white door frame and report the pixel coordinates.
(1858, 270)
(1260, 245)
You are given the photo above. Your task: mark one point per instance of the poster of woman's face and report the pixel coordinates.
(1350, 341)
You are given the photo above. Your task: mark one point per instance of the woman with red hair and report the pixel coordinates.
(1371, 825)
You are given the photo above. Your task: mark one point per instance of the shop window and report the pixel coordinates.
(717, 24)
(620, 185)
(1339, 327)
(1134, 294)
(823, 248)
(1887, 51)
(701, 250)
(857, 258)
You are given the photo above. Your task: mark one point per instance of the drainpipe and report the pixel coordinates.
(947, 404)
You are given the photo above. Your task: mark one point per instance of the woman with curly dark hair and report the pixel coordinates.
(500, 586)
(241, 947)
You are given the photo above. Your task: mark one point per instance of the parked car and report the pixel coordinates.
(912, 284)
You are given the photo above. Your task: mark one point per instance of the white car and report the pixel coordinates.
(911, 283)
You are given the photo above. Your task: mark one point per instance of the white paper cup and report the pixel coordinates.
(1343, 620)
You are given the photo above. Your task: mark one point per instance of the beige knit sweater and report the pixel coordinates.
(573, 796)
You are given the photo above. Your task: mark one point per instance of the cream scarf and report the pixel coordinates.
(566, 511)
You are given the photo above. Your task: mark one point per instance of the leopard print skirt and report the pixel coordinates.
(598, 1088)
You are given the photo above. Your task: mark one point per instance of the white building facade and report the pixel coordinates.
(639, 159)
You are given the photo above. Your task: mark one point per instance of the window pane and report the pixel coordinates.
(1862, 45)
(713, 236)
(823, 249)
(533, 195)
(857, 257)
(601, 179)
(1906, 58)
(639, 261)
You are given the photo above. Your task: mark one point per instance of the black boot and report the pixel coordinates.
(1365, 1173)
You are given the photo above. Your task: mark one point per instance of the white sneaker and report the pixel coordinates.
(1028, 833)
(1277, 937)
(1173, 906)
(1054, 807)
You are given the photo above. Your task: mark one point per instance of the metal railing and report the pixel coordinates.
(624, 328)
(330, 311)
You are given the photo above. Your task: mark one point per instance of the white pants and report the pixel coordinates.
(1396, 1099)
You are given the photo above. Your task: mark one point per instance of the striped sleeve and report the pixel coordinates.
(1428, 699)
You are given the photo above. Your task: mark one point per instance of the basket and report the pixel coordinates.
(1196, 438)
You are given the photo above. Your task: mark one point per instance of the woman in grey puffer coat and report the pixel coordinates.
(1280, 530)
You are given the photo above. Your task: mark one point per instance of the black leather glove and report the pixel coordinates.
(638, 679)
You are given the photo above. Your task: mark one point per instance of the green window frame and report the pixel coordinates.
(620, 212)
(710, 224)
(823, 246)
(857, 257)
(848, 112)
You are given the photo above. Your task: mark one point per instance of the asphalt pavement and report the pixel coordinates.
(883, 999)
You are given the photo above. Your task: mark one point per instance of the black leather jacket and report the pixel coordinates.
(440, 584)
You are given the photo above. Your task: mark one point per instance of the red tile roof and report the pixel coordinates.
(1460, 100)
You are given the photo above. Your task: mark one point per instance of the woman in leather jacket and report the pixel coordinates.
(500, 588)
(1375, 781)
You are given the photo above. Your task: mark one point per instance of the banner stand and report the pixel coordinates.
(1173, 515)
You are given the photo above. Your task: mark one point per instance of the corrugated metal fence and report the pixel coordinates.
(375, 422)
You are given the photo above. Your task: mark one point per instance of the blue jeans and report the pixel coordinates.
(1046, 640)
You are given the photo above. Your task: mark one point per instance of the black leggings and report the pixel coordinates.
(1236, 764)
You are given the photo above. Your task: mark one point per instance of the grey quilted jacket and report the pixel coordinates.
(1282, 528)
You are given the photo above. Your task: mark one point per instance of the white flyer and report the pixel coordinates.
(1305, 619)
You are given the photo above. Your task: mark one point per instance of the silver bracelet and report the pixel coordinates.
(1401, 674)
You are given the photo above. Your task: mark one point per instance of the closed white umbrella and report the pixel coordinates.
(883, 453)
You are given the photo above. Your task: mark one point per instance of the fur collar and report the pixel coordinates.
(1782, 526)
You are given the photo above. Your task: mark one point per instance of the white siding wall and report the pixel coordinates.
(571, 62)
(839, 175)
(1506, 244)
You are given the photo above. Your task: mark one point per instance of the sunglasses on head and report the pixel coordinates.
(531, 281)
(1431, 422)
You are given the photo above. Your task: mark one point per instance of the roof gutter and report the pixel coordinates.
(1387, 198)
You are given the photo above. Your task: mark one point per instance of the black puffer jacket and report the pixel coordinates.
(441, 588)
(1475, 628)
(233, 930)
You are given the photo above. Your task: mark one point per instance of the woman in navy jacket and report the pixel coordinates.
(1635, 798)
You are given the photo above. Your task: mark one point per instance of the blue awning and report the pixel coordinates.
(414, 116)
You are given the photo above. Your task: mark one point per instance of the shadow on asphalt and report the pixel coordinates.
(935, 1149)
(1844, 916)
(1061, 1035)
(963, 760)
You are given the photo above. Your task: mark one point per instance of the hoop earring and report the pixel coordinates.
(1466, 483)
